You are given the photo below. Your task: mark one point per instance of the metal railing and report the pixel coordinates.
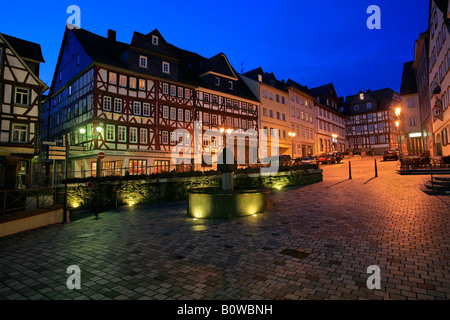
(13, 201)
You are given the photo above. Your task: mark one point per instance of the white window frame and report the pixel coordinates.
(155, 40)
(107, 102)
(217, 81)
(164, 137)
(173, 113)
(137, 108)
(143, 135)
(115, 78)
(23, 95)
(180, 92)
(20, 132)
(173, 90)
(110, 132)
(165, 88)
(120, 81)
(118, 105)
(121, 134)
(133, 135)
(187, 115)
(142, 81)
(143, 61)
(166, 67)
(180, 115)
(146, 109)
(165, 114)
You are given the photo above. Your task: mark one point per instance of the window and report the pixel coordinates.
(265, 112)
(278, 115)
(165, 67)
(284, 116)
(146, 109)
(22, 96)
(410, 102)
(165, 112)
(122, 134)
(180, 114)
(187, 93)
(180, 92)
(412, 121)
(283, 101)
(110, 132)
(356, 107)
(264, 93)
(117, 105)
(230, 85)
(106, 103)
(173, 91)
(19, 133)
(173, 113)
(372, 140)
(70, 91)
(112, 78)
(165, 88)
(142, 61)
(143, 135)
(137, 108)
(271, 113)
(137, 166)
(217, 81)
(215, 100)
(369, 105)
(370, 127)
(270, 95)
(214, 119)
(277, 98)
(165, 137)
(382, 139)
(133, 83)
(122, 81)
(133, 135)
(142, 84)
(155, 40)
(206, 97)
(187, 115)
(380, 126)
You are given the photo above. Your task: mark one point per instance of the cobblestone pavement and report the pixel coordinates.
(155, 252)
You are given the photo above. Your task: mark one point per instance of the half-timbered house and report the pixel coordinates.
(135, 102)
(20, 101)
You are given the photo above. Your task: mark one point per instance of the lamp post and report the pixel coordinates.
(292, 135)
(397, 124)
(99, 130)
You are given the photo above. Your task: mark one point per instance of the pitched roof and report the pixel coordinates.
(323, 90)
(26, 49)
(409, 85)
(218, 64)
(383, 97)
(101, 49)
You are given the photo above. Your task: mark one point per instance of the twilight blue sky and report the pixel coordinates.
(311, 42)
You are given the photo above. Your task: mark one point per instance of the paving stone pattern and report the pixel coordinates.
(342, 227)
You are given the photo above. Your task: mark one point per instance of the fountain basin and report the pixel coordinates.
(205, 203)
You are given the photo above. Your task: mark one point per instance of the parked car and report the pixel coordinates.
(337, 155)
(332, 156)
(284, 160)
(324, 158)
(390, 154)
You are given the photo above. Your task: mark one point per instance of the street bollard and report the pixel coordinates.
(376, 171)
(349, 170)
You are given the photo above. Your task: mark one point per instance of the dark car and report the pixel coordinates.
(338, 156)
(390, 154)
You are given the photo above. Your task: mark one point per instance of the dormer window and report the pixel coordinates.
(165, 67)
(230, 85)
(142, 61)
(155, 40)
(217, 81)
(259, 77)
(361, 96)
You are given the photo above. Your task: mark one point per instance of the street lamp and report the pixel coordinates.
(334, 135)
(292, 135)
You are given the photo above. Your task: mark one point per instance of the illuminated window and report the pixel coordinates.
(123, 81)
(133, 83)
(113, 78)
(142, 84)
(122, 134)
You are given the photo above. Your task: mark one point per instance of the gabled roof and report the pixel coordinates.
(383, 97)
(324, 90)
(26, 49)
(409, 85)
(292, 83)
(218, 64)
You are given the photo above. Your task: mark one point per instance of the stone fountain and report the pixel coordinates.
(227, 202)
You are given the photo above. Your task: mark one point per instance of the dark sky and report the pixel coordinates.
(311, 42)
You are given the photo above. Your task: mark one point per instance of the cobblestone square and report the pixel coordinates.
(341, 226)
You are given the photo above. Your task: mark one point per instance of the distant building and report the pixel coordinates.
(439, 80)
(128, 100)
(370, 120)
(20, 99)
(420, 66)
(330, 122)
(302, 119)
(274, 120)
(410, 112)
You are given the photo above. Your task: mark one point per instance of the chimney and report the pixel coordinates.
(112, 35)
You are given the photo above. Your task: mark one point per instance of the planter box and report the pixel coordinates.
(30, 220)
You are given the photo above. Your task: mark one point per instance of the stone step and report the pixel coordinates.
(440, 182)
(442, 178)
(435, 192)
(437, 187)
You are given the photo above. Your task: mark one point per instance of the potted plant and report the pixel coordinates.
(363, 151)
(372, 151)
(350, 151)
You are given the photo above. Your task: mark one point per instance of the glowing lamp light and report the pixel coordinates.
(98, 129)
(397, 111)
(222, 130)
(397, 123)
(82, 130)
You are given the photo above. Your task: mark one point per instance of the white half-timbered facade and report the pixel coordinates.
(20, 102)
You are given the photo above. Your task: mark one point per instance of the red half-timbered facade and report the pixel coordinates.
(135, 103)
